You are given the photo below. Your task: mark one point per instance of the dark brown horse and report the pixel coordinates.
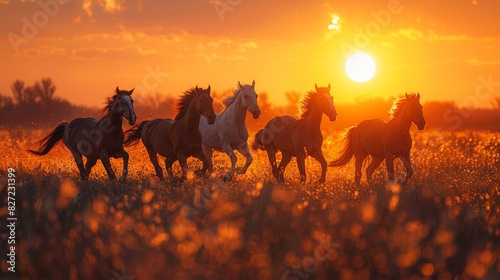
(179, 138)
(296, 137)
(96, 139)
(383, 140)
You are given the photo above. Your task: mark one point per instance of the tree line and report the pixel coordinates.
(38, 106)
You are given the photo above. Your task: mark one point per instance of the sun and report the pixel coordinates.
(360, 67)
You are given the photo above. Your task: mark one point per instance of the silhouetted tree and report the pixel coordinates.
(293, 99)
(496, 103)
(18, 91)
(45, 90)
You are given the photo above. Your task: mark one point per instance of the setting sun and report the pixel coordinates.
(360, 67)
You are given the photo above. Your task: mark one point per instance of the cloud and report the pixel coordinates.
(472, 62)
(41, 52)
(230, 44)
(408, 33)
(475, 62)
(431, 35)
(211, 57)
(108, 6)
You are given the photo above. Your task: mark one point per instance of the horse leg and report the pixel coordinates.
(123, 154)
(358, 164)
(271, 154)
(200, 154)
(107, 165)
(389, 163)
(376, 161)
(79, 163)
(154, 160)
(183, 162)
(318, 155)
(285, 160)
(405, 158)
(168, 164)
(91, 161)
(229, 151)
(246, 153)
(208, 153)
(301, 163)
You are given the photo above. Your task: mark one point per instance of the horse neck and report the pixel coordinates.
(115, 121)
(237, 110)
(403, 122)
(313, 119)
(192, 118)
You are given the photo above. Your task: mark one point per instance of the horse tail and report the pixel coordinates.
(257, 142)
(347, 151)
(50, 140)
(133, 135)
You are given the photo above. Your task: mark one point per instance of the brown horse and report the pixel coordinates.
(96, 139)
(176, 139)
(296, 137)
(383, 140)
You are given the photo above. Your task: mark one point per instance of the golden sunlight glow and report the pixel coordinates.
(335, 25)
(360, 67)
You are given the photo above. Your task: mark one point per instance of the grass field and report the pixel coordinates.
(444, 224)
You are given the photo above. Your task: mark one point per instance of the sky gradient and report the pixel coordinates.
(446, 50)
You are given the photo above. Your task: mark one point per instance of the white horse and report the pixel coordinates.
(229, 132)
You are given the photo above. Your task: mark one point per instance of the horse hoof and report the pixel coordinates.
(321, 181)
(228, 178)
(123, 179)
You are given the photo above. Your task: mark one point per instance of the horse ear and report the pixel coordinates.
(196, 89)
(117, 89)
(253, 84)
(316, 86)
(131, 91)
(239, 84)
(406, 95)
(329, 87)
(418, 96)
(208, 88)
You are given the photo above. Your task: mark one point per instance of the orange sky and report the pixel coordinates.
(439, 48)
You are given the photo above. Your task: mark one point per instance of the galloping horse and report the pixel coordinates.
(384, 140)
(294, 137)
(179, 138)
(229, 131)
(96, 139)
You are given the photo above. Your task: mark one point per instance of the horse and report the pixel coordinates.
(229, 131)
(298, 137)
(179, 138)
(96, 139)
(384, 140)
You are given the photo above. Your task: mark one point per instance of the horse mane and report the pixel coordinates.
(228, 100)
(306, 104)
(108, 104)
(399, 104)
(183, 103)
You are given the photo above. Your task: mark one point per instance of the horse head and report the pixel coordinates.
(249, 99)
(124, 105)
(414, 111)
(327, 102)
(204, 104)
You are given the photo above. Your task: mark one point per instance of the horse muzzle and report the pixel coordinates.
(333, 117)
(256, 114)
(211, 119)
(421, 125)
(131, 121)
